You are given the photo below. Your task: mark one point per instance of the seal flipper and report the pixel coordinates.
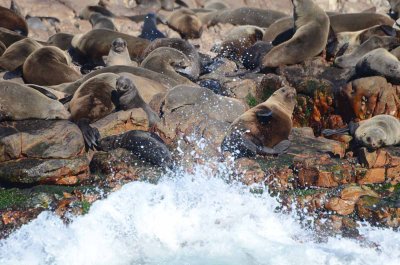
(115, 100)
(43, 90)
(264, 116)
(90, 135)
(151, 115)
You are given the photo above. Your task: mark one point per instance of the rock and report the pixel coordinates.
(197, 112)
(368, 97)
(353, 192)
(340, 206)
(42, 139)
(122, 121)
(371, 176)
(249, 171)
(119, 166)
(50, 171)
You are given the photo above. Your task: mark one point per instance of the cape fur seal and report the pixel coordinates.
(263, 129)
(378, 131)
(119, 54)
(48, 66)
(379, 62)
(186, 23)
(16, 54)
(13, 21)
(181, 45)
(98, 21)
(61, 40)
(309, 39)
(351, 59)
(97, 43)
(237, 41)
(2, 48)
(100, 96)
(149, 29)
(20, 102)
(170, 62)
(145, 145)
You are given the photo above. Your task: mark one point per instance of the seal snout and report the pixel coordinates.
(119, 45)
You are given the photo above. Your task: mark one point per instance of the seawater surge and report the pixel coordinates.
(194, 218)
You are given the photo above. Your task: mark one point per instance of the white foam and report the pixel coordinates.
(189, 219)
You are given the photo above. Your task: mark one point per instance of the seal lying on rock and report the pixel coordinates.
(378, 131)
(101, 95)
(19, 102)
(264, 129)
(145, 145)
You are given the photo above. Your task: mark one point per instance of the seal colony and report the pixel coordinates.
(89, 76)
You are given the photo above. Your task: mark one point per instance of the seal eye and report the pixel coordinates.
(368, 139)
(380, 142)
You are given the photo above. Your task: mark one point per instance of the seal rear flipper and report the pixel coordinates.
(90, 135)
(264, 116)
(389, 30)
(151, 115)
(66, 99)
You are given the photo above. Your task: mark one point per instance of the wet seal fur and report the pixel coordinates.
(149, 29)
(145, 145)
(20, 102)
(376, 132)
(264, 129)
(310, 37)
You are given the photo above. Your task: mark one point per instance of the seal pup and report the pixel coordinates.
(97, 43)
(378, 131)
(186, 23)
(49, 66)
(145, 145)
(119, 54)
(170, 62)
(100, 96)
(379, 62)
(16, 54)
(264, 129)
(13, 21)
(20, 102)
(309, 39)
(351, 59)
(98, 21)
(181, 45)
(149, 29)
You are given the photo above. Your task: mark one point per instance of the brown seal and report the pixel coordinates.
(97, 43)
(13, 21)
(16, 54)
(309, 39)
(181, 45)
(119, 54)
(100, 96)
(2, 48)
(186, 23)
(351, 59)
(61, 40)
(263, 129)
(170, 62)
(48, 66)
(20, 102)
(238, 40)
(99, 21)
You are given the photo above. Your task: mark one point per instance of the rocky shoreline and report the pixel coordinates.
(44, 164)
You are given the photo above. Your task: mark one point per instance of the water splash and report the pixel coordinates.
(188, 218)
